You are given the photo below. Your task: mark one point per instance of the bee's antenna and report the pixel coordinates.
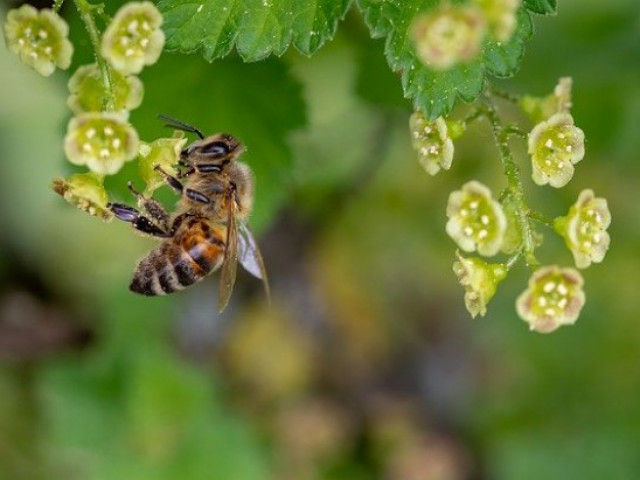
(175, 123)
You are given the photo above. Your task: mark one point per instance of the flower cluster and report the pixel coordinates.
(101, 94)
(451, 34)
(479, 222)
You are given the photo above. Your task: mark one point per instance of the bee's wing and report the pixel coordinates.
(230, 261)
(250, 257)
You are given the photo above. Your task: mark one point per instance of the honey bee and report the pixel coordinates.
(207, 231)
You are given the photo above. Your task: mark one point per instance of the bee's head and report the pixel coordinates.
(213, 152)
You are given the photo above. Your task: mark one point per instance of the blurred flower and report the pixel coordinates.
(539, 109)
(585, 229)
(85, 191)
(555, 146)
(270, 356)
(163, 152)
(133, 39)
(102, 141)
(88, 93)
(501, 17)
(480, 280)
(432, 142)
(553, 298)
(430, 457)
(448, 35)
(313, 430)
(476, 220)
(39, 38)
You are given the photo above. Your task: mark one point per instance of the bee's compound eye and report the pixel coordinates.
(215, 149)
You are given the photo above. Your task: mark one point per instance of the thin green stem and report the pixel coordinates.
(85, 9)
(515, 188)
(540, 218)
(498, 92)
(513, 259)
(474, 114)
(57, 5)
(513, 129)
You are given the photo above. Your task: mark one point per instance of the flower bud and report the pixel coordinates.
(553, 298)
(480, 280)
(163, 152)
(39, 38)
(85, 191)
(539, 109)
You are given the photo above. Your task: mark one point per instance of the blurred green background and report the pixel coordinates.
(367, 366)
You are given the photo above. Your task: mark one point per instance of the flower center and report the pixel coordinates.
(476, 219)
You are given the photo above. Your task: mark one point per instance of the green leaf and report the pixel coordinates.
(224, 97)
(435, 92)
(257, 28)
(543, 7)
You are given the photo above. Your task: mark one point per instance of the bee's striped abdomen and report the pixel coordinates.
(188, 257)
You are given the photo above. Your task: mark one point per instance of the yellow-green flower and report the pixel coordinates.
(101, 141)
(553, 298)
(448, 35)
(432, 142)
(585, 229)
(555, 145)
(163, 152)
(88, 93)
(85, 191)
(39, 38)
(501, 16)
(134, 38)
(480, 280)
(476, 220)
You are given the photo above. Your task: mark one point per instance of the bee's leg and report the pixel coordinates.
(185, 173)
(152, 208)
(140, 222)
(178, 187)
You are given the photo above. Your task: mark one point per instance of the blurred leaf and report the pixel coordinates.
(257, 28)
(435, 92)
(543, 7)
(225, 97)
(385, 90)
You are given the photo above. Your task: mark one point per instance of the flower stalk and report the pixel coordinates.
(85, 9)
(512, 173)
